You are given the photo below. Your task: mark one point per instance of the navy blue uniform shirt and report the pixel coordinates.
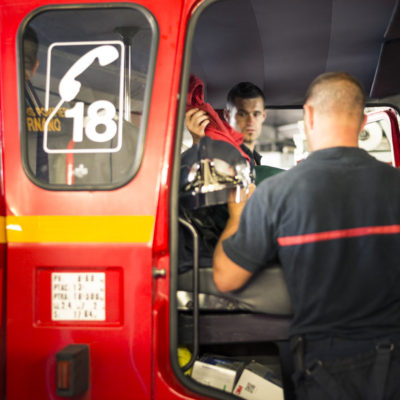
(333, 222)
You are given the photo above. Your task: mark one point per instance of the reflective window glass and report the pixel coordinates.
(87, 80)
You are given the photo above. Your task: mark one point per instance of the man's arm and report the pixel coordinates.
(227, 274)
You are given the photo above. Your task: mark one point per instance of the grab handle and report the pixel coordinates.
(195, 293)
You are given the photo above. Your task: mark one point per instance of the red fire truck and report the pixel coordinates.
(92, 108)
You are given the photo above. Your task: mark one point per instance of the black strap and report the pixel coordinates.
(327, 382)
(376, 387)
(380, 371)
(297, 349)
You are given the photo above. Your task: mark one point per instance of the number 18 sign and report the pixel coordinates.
(92, 74)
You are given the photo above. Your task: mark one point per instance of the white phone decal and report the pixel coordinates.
(69, 85)
(99, 113)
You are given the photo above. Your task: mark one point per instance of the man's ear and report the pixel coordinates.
(264, 114)
(308, 117)
(227, 115)
(35, 67)
(363, 122)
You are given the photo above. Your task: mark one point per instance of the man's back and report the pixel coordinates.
(336, 215)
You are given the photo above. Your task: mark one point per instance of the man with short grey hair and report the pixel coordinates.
(333, 222)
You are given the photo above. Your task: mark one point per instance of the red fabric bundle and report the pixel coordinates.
(217, 128)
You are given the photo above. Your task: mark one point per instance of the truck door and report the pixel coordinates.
(84, 135)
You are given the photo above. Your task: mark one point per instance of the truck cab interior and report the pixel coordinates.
(281, 47)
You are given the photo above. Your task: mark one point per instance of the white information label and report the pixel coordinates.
(78, 296)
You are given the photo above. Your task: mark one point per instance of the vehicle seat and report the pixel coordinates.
(203, 212)
(265, 292)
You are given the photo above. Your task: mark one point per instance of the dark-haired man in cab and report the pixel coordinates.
(245, 112)
(333, 221)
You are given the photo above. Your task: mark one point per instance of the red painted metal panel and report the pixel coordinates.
(2, 260)
(121, 348)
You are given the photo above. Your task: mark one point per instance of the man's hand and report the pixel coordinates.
(237, 201)
(196, 122)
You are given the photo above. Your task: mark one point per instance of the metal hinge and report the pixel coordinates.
(159, 273)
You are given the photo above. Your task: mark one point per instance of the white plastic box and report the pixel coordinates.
(254, 384)
(214, 376)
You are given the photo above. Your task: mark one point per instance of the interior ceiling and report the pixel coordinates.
(283, 45)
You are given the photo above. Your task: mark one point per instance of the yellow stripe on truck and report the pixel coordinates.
(66, 228)
(2, 229)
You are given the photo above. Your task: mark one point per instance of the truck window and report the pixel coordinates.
(86, 79)
(283, 142)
